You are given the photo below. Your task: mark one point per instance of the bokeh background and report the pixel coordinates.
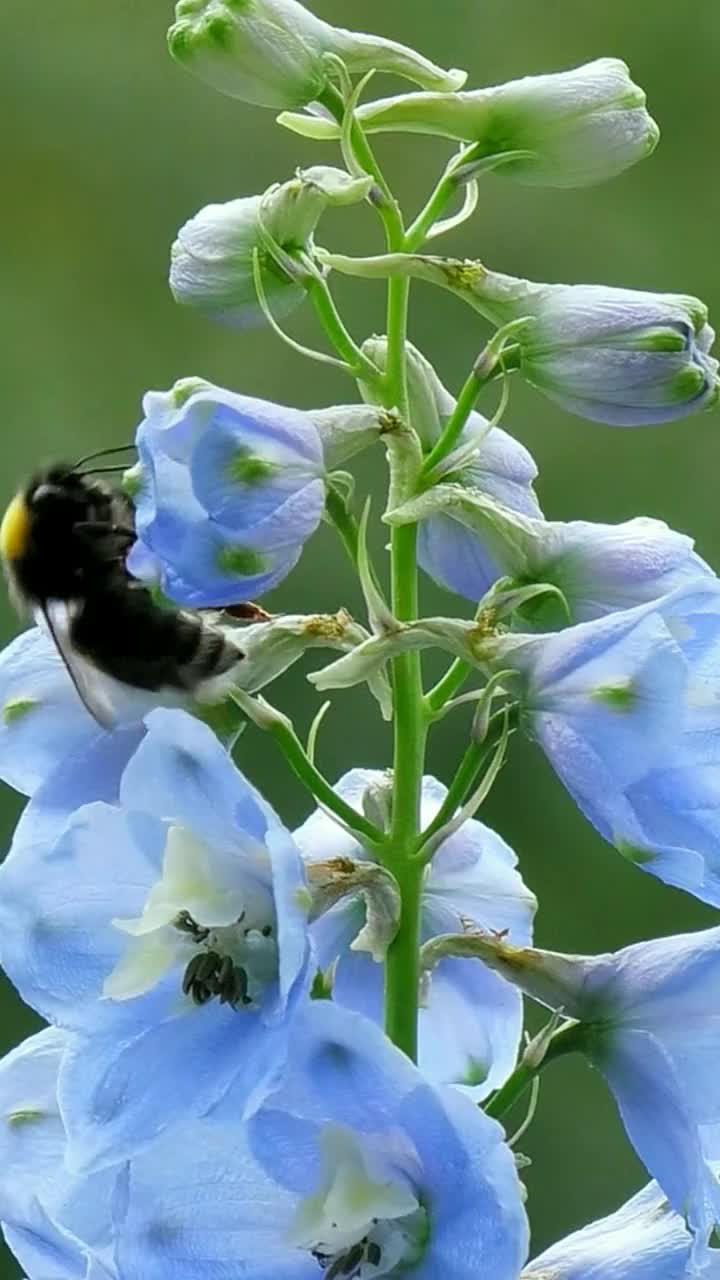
(106, 147)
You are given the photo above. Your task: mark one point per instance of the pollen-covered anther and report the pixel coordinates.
(235, 964)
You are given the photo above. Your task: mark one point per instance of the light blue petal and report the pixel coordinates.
(56, 910)
(216, 1216)
(644, 1240)
(116, 1098)
(291, 897)
(181, 772)
(471, 1029)
(35, 1180)
(91, 773)
(216, 472)
(42, 720)
(503, 468)
(343, 1070)
(654, 1107)
(456, 557)
(46, 1251)
(481, 1234)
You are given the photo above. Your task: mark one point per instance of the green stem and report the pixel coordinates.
(311, 778)
(331, 321)
(439, 200)
(569, 1039)
(384, 200)
(465, 775)
(511, 1092)
(456, 423)
(344, 522)
(446, 688)
(402, 965)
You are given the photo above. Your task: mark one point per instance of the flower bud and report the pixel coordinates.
(570, 129)
(231, 489)
(211, 261)
(619, 356)
(500, 468)
(273, 52)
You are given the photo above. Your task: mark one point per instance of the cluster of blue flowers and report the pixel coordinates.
(287, 1054)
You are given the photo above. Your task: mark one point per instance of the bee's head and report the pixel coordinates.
(54, 499)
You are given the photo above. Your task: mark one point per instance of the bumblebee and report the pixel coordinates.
(64, 540)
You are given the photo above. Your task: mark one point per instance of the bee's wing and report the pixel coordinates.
(55, 618)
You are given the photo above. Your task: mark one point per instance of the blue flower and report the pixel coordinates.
(487, 461)
(644, 1240)
(470, 1030)
(468, 541)
(647, 1017)
(168, 930)
(58, 1224)
(352, 1170)
(43, 723)
(230, 488)
(627, 710)
(619, 356)
(502, 469)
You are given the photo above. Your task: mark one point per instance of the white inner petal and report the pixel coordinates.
(190, 913)
(364, 1220)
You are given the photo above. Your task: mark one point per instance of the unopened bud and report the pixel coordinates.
(274, 52)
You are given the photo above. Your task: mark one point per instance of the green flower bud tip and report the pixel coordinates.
(475, 1073)
(16, 708)
(214, 32)
(247, 468)
(659, 339)
(240, 562)
(619, 696)
(687, 384)
(632, 853)
(185, 388)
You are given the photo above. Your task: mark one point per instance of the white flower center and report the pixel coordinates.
(223, 937)
(364, 1221)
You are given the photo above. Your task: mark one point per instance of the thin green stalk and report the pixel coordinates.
(457, 421)
(465, 775)
(568, 1039)
(311, 778)
(447, 686)
(512, 1091)
(439, 199)
(344, 522)
(331, 321)
(384, 201)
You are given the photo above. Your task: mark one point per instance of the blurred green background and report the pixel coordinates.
(107, 147)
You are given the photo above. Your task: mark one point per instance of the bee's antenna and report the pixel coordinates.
(99, 471)
(103, 453)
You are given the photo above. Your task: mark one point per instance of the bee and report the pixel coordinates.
(64, 540)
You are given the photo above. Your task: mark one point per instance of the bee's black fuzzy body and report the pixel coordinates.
(65, 538)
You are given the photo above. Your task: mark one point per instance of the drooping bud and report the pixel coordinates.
(274, 52)
(211, 261)
(621, 356)
(571, 129)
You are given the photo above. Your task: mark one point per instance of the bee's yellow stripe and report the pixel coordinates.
(15, 529)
